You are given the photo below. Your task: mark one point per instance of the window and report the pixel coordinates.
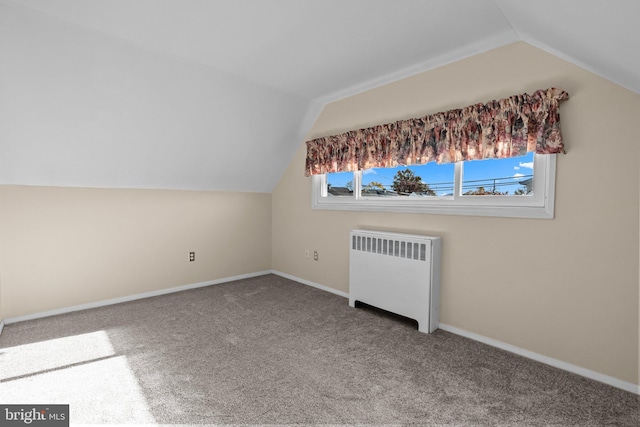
(513, 187)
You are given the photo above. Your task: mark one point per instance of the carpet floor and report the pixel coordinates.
(270, 351)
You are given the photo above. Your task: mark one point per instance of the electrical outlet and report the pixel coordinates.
(192, 256)
(306, 253)
(315, 255)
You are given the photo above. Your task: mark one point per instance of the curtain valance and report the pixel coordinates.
(509, 127)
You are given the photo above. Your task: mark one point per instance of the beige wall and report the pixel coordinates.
(68, 246)
(566, 288)
(1, 306)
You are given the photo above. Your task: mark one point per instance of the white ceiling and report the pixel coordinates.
(270, 66)
(323, 49)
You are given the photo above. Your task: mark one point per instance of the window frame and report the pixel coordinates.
(540, 205)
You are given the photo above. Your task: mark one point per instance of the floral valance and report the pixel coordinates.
(509, 127)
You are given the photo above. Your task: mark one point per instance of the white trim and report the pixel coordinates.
(612, 381)
(128, 298)
(475, 48)
(617, 79)
(587, 373)
(310, 283)
(606, 379)
(539, 206)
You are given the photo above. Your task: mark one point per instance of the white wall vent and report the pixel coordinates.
(397, 272)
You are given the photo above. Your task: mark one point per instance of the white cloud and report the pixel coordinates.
(368, 171)
(518, 175)
(516, 168)
(528, 165)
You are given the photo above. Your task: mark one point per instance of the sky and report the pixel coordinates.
(440, 177)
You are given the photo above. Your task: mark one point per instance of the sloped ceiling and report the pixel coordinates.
(250, 76)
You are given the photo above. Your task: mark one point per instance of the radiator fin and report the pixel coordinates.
(390, 247)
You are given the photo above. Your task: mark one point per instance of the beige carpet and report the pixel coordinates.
(268, 350)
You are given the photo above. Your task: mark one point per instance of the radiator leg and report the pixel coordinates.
(352, 302)
(423, 326)
(427, 326)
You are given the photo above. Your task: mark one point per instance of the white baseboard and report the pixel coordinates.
(606, 379)
(612, 381)
(310, 283)
(128, 298)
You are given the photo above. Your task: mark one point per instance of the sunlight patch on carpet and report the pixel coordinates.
(58, 353)
(82, 371)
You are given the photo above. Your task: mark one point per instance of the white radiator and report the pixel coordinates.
(397, 272)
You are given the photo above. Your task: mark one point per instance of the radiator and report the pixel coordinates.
(397, 272)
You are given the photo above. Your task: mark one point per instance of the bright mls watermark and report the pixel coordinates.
(34, 415)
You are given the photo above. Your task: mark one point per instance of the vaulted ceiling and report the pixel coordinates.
(270, 66)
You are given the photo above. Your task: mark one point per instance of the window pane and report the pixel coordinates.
(502, 177)
(340, 184)
(425, 180)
